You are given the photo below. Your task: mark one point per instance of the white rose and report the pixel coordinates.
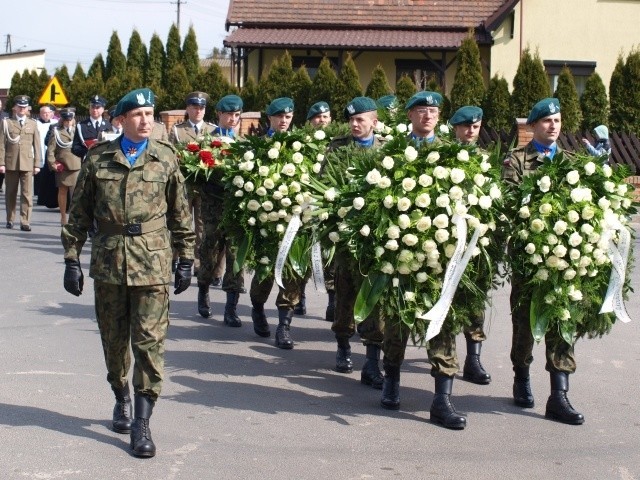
(297, 157)
(479, 179)
(542, 274)
(395, 282)
(441, 235)
(495, 192)
(264, 260)
(317, 167)
(423, 224)
(391, 245)
(537, 225)
(288, 169)
(358, 203)
(575, 239)
(388, 201)
(573, 216)
(472, 199)
(379, 251)
(401, 128)
(622, 189)
(408, 184)
(584, 262)
(253, 205)
(285, 202)
(249, 186)
(444, 129)
(485, 167)
(587, 229)
(449, 250)
(365, 231)
(330, 194)
(460, 209)
(261, 191)
(463, 156)
(530, 248)
(609, 186)
(535, 259)
(523, 234)
(410, 240)
(421, 277)
(423, 200)
(319, 135)
(545, 209)
(607, 171)
(405, 256)
(433, 157)
(552, 239)
(560, 226)
(373, 177)
(280, 228)
(277, 195)
(404, 204)
(385, 182)
(457, 175)
(573, 294)
(560, 251)
(267, 206)
(393, 232)
(239, 193)
(441, 221)
(484, 241)
(425, 180)
(544, 184)
(410, 153)
(248, 156)
(294, 187)
(590, 168)
(573, 177)
(342, 211)
(404, 221)
(565, 314)
(387, 162)
(334, 237)
(404, 269)
(524, 212)
(429, 246)
(238, 181)
(387, 268)
(473, 222)
(485, 202)
(273, 153)
(588, 212)
(552, 261)
(251, 221)
(342, 227)
(440, 172)
(263, 217)
(296, 146)
(574, 254)
(569, 274)
(443, 201)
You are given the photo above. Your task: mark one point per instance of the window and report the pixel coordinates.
(421, 71)
(580, 71)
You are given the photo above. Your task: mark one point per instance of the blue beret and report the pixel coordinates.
(544, 108)
(318, 108)
(388, 101)
(360, 105)
(229, 103)
(280, 105)
(424, 98)
(67, 113)
(98, 100)
(197, 98)
(142, 97)
(21, 101)
(466, 115)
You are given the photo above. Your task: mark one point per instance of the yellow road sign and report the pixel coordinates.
(53, 94)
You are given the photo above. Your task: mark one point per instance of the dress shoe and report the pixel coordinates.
(522, 395)
(141, 441)
(25, 228)
(122, 417)
(558, 406)
(371, 374)
(473, 370)
(442, 410)
(9, 225)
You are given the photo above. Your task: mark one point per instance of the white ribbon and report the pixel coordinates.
(452, 276)
(317, 268)
(285, 246)
(619, 256)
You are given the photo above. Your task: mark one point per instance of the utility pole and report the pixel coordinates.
(178, 4)
(7, 47)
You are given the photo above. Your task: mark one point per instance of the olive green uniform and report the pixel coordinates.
(560, 358)
(140, 210)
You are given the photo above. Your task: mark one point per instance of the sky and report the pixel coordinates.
(74, 31)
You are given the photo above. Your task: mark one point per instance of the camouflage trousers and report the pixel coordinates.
(288, 297)
(560, 356)
(347, 285)
(136, 315)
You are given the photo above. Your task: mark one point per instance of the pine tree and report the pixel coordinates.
(567, 94)
(468, 84)
(16, 88)
(379, 84)
(116, 61)
(497, 105)
(348, 86)
(530, 85)
(136, 54)
(617, 97)
(43, 79)
(174, 53)
(190, 57)
(96, 70)
(180, 87)
(594, 103)
(433, 84)
(155, 62)
(278, 81)
(405, 89)
(212, 81)
(632, 87)
(301, 95)
(324, 84)
(77, 93)
(250, 97)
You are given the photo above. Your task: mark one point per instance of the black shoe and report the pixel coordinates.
(522, 395)
(9, 225)
(442, 410)
(122, 411)
(25, 228)
(216, 282)
(141, 441)
(231, 318)
(558, 406)
(344, 364)
(391, 388)
(283, 337)
(204, 307)
(371, 374)
(473, 370)
(260, 324)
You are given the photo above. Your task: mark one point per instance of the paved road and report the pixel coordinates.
(234, 406)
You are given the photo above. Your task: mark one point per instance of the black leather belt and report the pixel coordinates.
(130, 229)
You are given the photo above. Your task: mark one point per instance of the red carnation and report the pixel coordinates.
(216, 143)
(206, 157)
(193, 147)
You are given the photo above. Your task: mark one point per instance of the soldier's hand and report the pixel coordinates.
(183, 275)
(73, 277)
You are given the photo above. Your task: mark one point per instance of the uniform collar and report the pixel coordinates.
(547, 151)
(132, 150)
(364, 142)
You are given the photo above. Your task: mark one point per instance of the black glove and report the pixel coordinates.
(73, 277)
(183, 275)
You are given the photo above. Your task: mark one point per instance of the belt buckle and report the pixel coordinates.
(133, 229)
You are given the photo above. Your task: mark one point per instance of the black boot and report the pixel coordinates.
(371, 374)
(522, 395)
(204, 308)
(141, 442)
(301, 306)
(331, 307)
(442, 411)
(558, 406)
(391, 388)
(231, 318)
(260, 324)
(122, 410)
(343, 356)
(473, 370)
(283, 338)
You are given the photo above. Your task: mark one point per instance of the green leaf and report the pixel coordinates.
(538, 315)
(369, 294)
(299, 255)
(243, 249)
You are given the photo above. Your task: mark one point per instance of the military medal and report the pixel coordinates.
(131, 151)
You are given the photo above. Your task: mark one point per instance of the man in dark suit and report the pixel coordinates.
(88, 131)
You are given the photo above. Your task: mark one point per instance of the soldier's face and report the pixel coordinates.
(21, 111)
(362, 124)
(96, 110)
(423, 120)
(321, 120)
(547, 129)
(229, 119)
(280, 122)
(196, 113)
(137, 123)
(468, 133)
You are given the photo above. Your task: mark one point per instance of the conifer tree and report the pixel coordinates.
(468, 84)
(379, 84)
(77, 93)
(212, 81)
(116, 63)
(174, 52)
(190, 57)
(617, 97)
(155, 62)
(348, 86)
(433, 84)
(96, 70)
(249, 95)
(567, 94)
(180, 87)
(405, 89)
(632, 88)
(278, 81)
(497, 105)
(594, 103)
(42, 79)
(16, 88)
(324, 84)
(136, 53)
(301, 94)
(530, 85)
(62, 74)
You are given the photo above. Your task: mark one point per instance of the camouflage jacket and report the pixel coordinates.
(348, 140)
(112, 192)
(520, 162)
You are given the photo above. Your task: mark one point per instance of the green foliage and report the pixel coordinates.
(324, 84)
(497, 105)
(174, 54)
(617, 96)
(136, 54)
(468, 84)
(116, 61)
(212, 81)
(40, 83)
(117, 87)
(347, 88)
(594, 103)
(97, 68)
(76, 93)
(567, 94)
(155, 62)
(530, 84)
(249, 95)
(405, 89)
(379, 84)
(632, 87)
(62, 74)
(278, 82)
(190, 57)
(180, 87)
(433, 85)
(16, 88)
(300, 92)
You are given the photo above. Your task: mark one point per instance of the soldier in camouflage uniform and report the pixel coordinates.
(545, 121)
(362, 118)
(133, 189)
(214, 242)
